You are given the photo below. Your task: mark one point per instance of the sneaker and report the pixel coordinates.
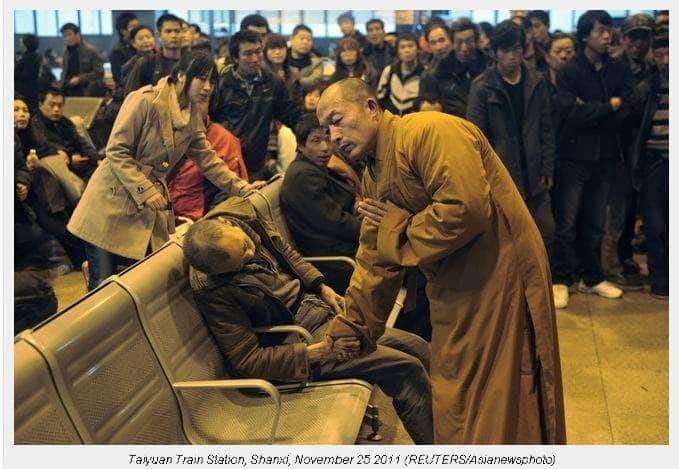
(627, 282)
(560, 295)
(604, 289)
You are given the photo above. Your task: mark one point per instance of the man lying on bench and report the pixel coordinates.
(244, 275)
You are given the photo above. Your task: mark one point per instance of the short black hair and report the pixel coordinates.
(306, 124)
(31, 42)
(406, 36)
(660, 39)
(254, 20)
(432, 25)
(123, 20)
(486, 27)
(242, 37)
(428, 97)
(506, 35)
(347, 15)
(53, 90)
(557, 36)
(70, 27)
(587, 20)
(196, 27)
(166, 18)
(136, 30)
(463, 24)
(302, 27)
(373, 21)
(540, 15)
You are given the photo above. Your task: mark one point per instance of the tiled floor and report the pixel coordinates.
(614, 356)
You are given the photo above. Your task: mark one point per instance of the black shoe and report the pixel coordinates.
(627, 282)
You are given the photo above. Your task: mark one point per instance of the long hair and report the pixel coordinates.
(341, 70)
(194, 64)
(276, 41)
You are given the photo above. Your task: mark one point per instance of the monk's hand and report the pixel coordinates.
(335, 301)
(373, 211)
(156, 202)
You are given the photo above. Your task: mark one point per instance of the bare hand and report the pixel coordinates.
(156, 202)
(373, 211)
(253, 186)
(64, 156)
(339, 350)
(335, 301)
(346, 348)
(31, 162)
(79, 160)
(547, 181)
(616, 102)
(21, 191)
(74, 81)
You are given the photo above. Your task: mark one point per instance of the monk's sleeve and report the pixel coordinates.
(371, 293)
(448, 160)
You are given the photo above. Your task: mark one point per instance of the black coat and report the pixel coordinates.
(318, 207)
(636, 157)
(451, 80)
(490, 108)
(120, 54)
(249, 115)
(63, 135)
(591, 126)
(26, 74)
(379, 57)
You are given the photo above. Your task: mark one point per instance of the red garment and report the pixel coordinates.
(186, 188)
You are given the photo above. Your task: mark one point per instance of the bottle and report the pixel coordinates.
(32, 159)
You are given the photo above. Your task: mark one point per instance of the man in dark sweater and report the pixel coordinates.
(248, 97)
(595, 95)
(149, 69)
(377, 51)
(82, 63)
(318, 205)
(511, 105)
(245, 276)
(123, 50)
(62, 134)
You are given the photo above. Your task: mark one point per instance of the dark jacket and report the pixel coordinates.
(63, 135)
(91, 69)
(146, 69)
(318, 207)
(26, 74)
(121, 53)
(379, 57)
(450, 80)
(490, 108)
(232, 308)
(591, 126)
(637, 155)
(249, 115)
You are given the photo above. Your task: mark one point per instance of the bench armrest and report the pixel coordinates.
(287, 329)
(398, 305)
(345, 259)
(233, 384)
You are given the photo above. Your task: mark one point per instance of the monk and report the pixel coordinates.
(439, 198)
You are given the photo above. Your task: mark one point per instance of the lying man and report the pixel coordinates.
(244, 275)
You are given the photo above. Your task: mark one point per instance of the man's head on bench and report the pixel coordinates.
(313, 140)
(217, 246)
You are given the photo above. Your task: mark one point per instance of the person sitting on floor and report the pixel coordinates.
(318, 204)
(244, 275)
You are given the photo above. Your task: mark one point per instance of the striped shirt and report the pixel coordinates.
(658, 139)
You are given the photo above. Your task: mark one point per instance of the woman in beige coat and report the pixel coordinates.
(124, 212)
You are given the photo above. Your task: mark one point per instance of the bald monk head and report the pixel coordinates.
(350, 110)
(217, 246)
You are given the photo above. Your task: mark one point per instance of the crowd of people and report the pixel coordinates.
(578, 120)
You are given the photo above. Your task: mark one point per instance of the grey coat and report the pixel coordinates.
(142, 151)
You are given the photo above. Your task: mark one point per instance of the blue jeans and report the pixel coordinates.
(655, 210)
(102, 264)
(581, 191)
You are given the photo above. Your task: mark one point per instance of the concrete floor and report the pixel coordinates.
(615, 362)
